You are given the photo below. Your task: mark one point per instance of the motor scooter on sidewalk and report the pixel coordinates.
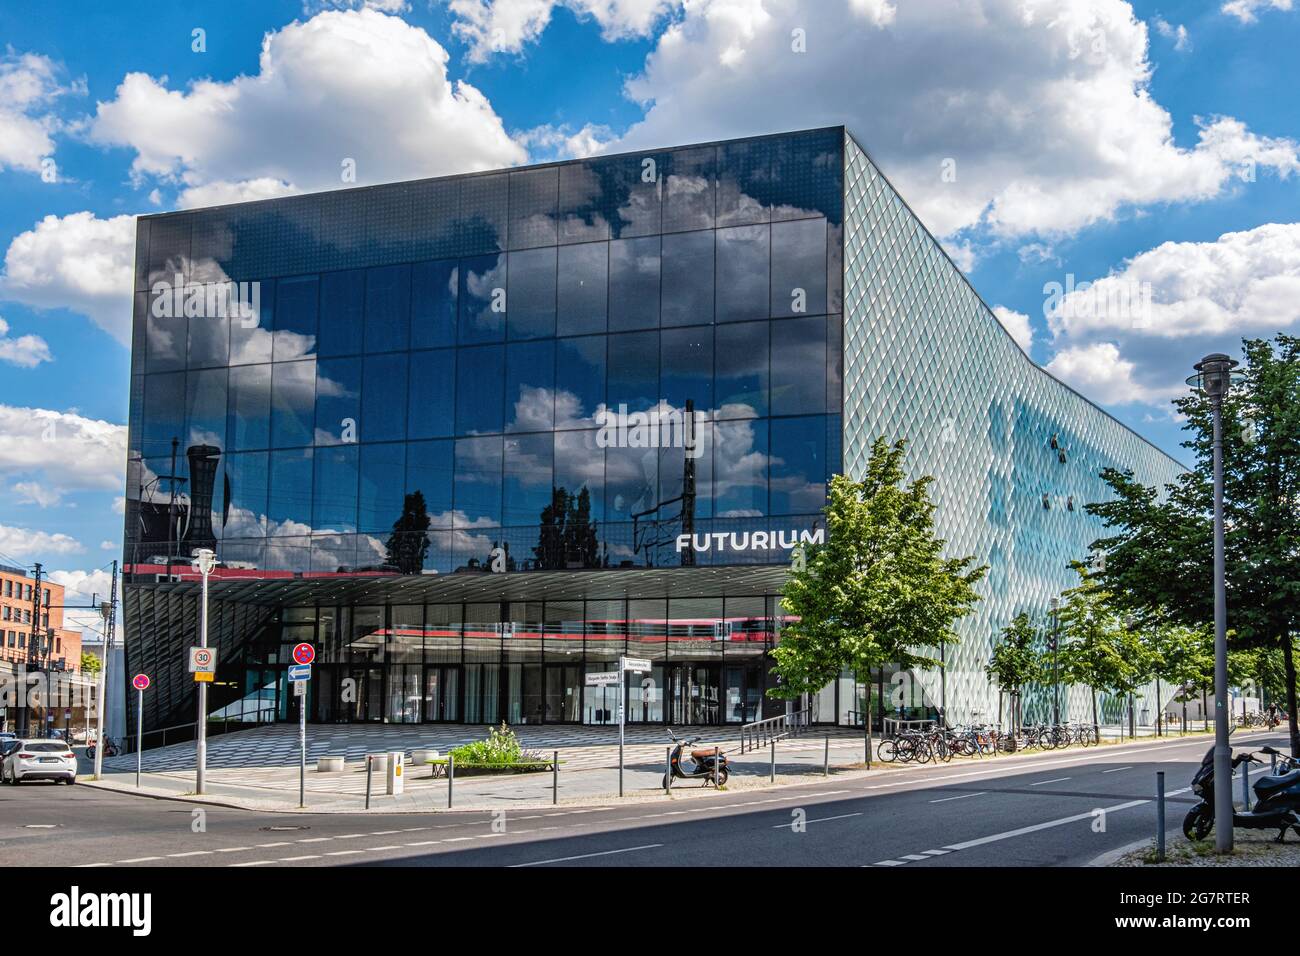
(1277, 805)
(702, 763)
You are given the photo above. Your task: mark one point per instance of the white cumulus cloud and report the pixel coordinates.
(1247, 11)
(1041, 108)
(77, 262)
(63, 451)
(1017, 323)
(23, 542)
(29, 85)
(1134, 334)
(345, 87)
(506, 26)
(25, 351)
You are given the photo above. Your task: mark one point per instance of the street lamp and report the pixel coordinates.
(1055, 605)
(204, 561)
(106, 612)
(1213, 378)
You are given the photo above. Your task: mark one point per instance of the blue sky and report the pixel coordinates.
(1152, 143)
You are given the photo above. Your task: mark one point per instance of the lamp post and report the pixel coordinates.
(1213, 378)
(1056, 696)
(204, 561)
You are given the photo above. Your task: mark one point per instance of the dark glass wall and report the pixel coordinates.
(421, 374)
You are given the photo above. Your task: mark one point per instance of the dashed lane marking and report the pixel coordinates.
(587, 856)
(961, 796)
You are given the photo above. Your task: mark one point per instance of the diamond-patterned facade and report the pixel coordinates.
(926, 360)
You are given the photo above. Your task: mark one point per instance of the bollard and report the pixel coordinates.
(1245, 786)
(826, 759)
(451, 776)
(1160, 816)
(555, 779)
(668, 771)
(368, 769)
(717, 768)
(773, 775)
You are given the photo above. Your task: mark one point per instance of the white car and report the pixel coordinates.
(40, 759)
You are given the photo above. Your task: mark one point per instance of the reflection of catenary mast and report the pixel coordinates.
(645, 535)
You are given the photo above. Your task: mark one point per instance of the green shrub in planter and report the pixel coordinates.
(501, 748)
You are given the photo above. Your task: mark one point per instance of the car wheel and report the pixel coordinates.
(70, 781)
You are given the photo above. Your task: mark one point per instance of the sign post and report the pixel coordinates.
(300, 674)
(140, 682)
(626, 665)
(608, 679)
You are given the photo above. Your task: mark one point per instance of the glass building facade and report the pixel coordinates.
(475, 436)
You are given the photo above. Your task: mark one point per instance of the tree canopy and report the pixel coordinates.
(879, 590)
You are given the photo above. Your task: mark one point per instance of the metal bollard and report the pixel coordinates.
(826, 758)
(773, 776)
(369, 767)
(451, 776)
(1245, 785)
(555, 779)
(668, 771)
(1160, 816)
(717, 768)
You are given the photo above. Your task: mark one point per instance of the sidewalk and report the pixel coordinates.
(799, 761)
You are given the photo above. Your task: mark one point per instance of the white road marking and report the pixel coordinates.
(587, 856)
(937, 852)
(1116, 769)
(295, 859)
(1034, 828)
(343, 853)
(232, 849)
(140, 859)
(1041, 783)
(960, 797)
(891, 863)
(255, 863)
(192, 853)
(842, 816)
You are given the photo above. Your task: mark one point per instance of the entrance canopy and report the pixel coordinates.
(484, 587)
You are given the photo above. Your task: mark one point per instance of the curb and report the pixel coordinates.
(1110, 856)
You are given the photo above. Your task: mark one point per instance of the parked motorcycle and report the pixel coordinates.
(702, 763)
(110, 750)
(1277, 805)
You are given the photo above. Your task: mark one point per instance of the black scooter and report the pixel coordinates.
(1277, 805)
(702, 763)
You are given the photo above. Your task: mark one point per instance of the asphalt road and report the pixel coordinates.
(1063, 809)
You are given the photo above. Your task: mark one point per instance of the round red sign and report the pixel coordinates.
(304, 654)
(140, 681)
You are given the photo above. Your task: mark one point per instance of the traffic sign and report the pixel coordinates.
(203, 660)
(635, 664)
(140, 681)
(298, 672)
(304, 654)
(603, 678)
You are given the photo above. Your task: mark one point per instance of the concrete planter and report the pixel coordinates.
(378, 763)
(421, 757)
(329, 764)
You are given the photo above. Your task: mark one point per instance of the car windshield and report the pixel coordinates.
(45, 746)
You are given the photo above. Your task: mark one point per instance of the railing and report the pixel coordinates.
(179, 733)
(760, 733)
(893, 726)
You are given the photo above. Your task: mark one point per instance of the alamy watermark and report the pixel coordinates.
(657, 428)
(207, 300)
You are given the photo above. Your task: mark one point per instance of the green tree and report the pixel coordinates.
(1092, 647)
(878, 590)
(1159, 553)
(1015, 663)
(90, 664)
(1186, 662)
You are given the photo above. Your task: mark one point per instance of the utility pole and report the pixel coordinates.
(35, 647)
(109, 612)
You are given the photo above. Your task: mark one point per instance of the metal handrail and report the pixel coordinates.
(216, 725)
(759, 733)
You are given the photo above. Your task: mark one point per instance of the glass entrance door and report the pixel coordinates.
(563, 694)
(367, 691)
(694, 694)
(442, 694)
